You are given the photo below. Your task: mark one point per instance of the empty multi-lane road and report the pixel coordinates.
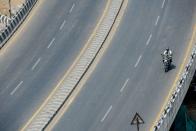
(39, 53)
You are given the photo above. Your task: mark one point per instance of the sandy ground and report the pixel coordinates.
(15, 5)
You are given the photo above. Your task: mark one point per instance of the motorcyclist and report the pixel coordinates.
(167, 55)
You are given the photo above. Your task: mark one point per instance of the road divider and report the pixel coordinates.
(62, 91)
(16, 21)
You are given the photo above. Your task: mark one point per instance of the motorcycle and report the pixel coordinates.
(166, 63)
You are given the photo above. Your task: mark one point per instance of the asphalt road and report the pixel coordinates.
(38, 55)
(130, 77)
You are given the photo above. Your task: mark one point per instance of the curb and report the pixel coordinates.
(53, 103)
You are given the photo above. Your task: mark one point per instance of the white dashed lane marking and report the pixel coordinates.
(62, 25)
(72, 7)
(138, 60)
(157, 21)
(163, 4)
(124, 85)
(51, 42)
(36, 63)
(149, 38)
(17, 87)
(106, 114)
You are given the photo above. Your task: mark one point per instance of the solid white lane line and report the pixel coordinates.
(51, 42)
(17, 87)
(36, 63)
(138, 60)
(149, 38)
(157, 20)
(62, 25)
(72, 8)
(124, 85)
(106, 114)
(163, 4)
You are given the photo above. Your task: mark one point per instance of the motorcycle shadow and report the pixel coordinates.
(169, 68)
(172, 66)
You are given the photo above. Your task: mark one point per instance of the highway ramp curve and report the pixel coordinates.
(129, 77)
(39, 53)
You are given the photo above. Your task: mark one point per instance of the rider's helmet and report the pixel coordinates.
(167, 50)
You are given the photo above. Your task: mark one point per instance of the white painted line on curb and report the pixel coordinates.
(62, 25)
(138, 60)
(149, 38)
(157, 20)
(124, 85)
(72, 8)
(36, 63)
(163, 4)
(106, 114)
(51, 42)
(17, 87)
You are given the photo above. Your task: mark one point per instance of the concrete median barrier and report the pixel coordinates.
(60, 94)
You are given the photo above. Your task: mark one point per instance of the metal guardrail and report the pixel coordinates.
(15, 22)
(4, 19)
(178, 95)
